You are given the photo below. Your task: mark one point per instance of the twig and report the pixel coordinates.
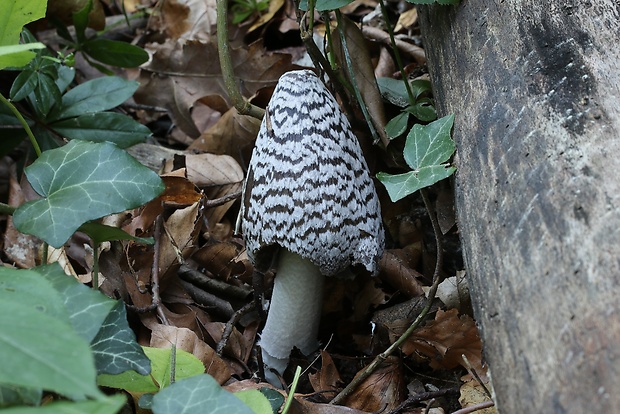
(429, 302)
(379, 35)
(249, 307)
(474, 374)
(155, 270)
(243, 107)
(222, 200)
(475, 407)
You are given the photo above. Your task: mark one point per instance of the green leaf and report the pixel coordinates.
(46, 93)
(429, 145)
(65, 77)
(15, 14)
(274, 397)
(187, 365)
(107, 405)
(95, 95)
(23, 85)
(37, 348)
(115, 347)
(18, 55)
(13, 396)
(76, 298)
(103, 126)
(401, 185)
(100, 233)
(423, 109)
(395, 91)
(192, 395)
(82, 181)
(256, 400)
(80, 20)
(427, 148)
(397, 125)
(115, 53)
(323, 5)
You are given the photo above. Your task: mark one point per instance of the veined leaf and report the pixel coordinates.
(112, 52)
(82, 181)
(96, 95)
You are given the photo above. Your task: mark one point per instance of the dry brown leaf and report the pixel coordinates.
(446, 339)
(182, 73)
(178, 240)
(327, 379)
(473, 393)
(364, 74)
(20, 248)
(186, 19)
(163, 336)
(454, 292)
(400, 276)
(179, 191)
(218, 258)
(383, 390)
(406, 19)
(237, 346)
(231, 135)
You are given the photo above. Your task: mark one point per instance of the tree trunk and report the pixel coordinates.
(535, 86)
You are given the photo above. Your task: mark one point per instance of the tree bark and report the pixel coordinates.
(535, 86)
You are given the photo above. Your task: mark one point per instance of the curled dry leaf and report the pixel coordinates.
(383, 390)
(163, 336)
(415, 52)
(446, 339)
(220, 259)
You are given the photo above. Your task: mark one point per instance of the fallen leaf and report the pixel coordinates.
(446, 339)
(383, 390)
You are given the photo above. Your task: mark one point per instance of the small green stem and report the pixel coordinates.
(244, 107)
(399, 61)
(22, 121)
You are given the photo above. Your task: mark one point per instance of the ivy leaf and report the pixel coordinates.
(82, 181)
(115, 347)
(427, 150)
(192, 394)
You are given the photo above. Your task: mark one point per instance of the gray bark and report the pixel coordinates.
(535, 86)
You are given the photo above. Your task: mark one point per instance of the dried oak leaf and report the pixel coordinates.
(181, 73)
(186, 19)
(446, 339)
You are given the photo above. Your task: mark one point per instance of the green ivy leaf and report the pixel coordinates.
(423, 109)
(95, 95)
(82, 181)
(115, 347)
(191, 395)
(115, 53)
(187, 365)
(39, 349)
(427, 149)
(107, 405)
(103, 126)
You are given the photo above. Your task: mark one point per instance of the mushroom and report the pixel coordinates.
(310, 206)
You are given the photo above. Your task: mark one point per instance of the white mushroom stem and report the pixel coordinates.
(294, 313)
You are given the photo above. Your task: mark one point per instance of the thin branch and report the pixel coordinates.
(222, 200)
(155, 269)
(475, 407)
(249, 307)
(416, 323)
(243, 107)
(423, 396)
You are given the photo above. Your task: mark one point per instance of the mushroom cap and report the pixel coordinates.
(308, 187)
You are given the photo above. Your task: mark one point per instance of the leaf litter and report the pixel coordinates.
(360, 318)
